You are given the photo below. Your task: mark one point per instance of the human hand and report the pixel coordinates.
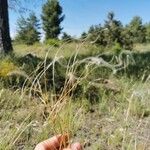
(55, 143)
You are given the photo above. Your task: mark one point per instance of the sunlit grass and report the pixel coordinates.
(66, 50)
(101, 112)
(142, 47)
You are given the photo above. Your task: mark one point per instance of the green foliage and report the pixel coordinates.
(112, 32)
(52, 18)
(83, 35)
(140, 67)
(126, 39)
(28, 30)
(66, 37)
(117, 48)
(137, 29)
(147, 26)
(11, 75)
(6, 67)
(92, 94)
(53, 42)
(96, 35)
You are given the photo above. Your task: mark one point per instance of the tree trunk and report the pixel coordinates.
(5, 40)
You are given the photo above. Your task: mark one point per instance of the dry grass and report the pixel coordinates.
(142, 47)
(65, 50)
(119, 119)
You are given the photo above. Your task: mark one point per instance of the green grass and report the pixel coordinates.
(74, 96)
(65, 50)
(68, 49)
(111, 123)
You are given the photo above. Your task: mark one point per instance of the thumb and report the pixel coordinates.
(76, 146)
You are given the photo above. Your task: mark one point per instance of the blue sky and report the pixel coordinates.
(81, 14)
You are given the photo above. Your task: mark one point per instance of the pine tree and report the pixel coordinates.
(83, 35)
(127, 42)
(114, 29)
(28, 30)
(52, 18)
(147, 26)
(96, 35)
(112, 34)
(137, 30)
(66, 37)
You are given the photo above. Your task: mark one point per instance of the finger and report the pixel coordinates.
(51, 144)
(76, 146)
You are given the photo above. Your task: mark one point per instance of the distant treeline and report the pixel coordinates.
(113, 32)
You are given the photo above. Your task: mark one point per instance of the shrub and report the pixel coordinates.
(117, 48)
(53, 42)
(6, 66)
(10, 74)
(92, 94)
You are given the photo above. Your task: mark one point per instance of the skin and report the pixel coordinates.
(55, 143)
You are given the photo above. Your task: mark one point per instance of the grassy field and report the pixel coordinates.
(69, 49)
(64, 49)
(75, 89)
